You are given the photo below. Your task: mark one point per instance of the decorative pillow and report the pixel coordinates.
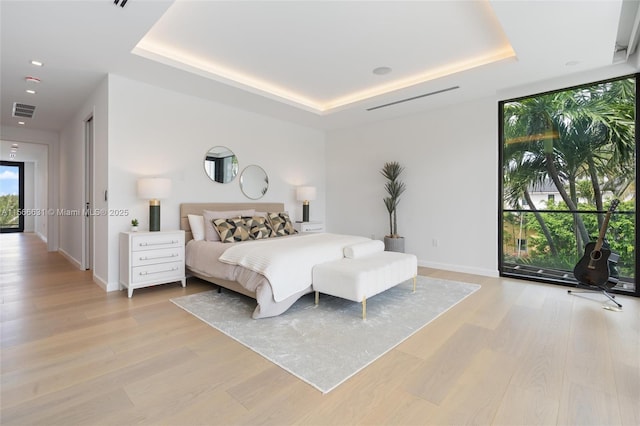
(363, 249)
(232, 230)
(281, 224)
(258, 227)
(196, 223)
(210, 233)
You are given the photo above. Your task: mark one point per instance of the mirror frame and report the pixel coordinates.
(254, 182)
(216, 168)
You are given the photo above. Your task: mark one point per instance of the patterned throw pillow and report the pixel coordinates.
(210, 232)
(281, 224)
(258, 227)
(232, 230)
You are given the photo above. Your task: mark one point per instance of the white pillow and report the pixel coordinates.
(210, 233)
(367, 248)
(196, 223)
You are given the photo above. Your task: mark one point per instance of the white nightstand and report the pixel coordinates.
(309, 227)
(151, 258)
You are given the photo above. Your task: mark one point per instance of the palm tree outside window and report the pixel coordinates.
(579, 146)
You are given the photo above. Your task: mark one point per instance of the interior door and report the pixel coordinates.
(88, 196)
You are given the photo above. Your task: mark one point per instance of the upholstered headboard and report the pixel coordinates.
(197, 208)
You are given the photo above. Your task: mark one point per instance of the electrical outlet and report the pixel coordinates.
(435, 242)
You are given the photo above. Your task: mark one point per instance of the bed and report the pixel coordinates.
(274, 288)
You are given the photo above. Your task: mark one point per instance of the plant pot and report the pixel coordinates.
(134, 229)
(394, 244)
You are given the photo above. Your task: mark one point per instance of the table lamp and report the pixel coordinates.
(305, 194)
(154, 189)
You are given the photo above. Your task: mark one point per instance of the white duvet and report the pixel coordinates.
(288, 262)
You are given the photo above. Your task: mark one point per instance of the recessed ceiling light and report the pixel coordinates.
(30, 91)
(21, 123)
(37, 63)
(381, 70)
(15, 145)
(572, 63)
(32, 79)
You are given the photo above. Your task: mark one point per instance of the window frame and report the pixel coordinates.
(501, 209)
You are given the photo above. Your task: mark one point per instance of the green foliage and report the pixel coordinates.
(620, 236)
(392, 171)
(9, 210)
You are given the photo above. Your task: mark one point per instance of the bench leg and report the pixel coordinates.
(364, 308)
(414, 283)
(317, 297)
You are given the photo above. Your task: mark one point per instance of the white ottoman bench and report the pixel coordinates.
(365, 271)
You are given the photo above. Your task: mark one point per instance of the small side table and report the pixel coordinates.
(151, 258)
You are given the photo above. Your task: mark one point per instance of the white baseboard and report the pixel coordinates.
(70, 258)
(42, 237)
(100, 281)
(113, 287)
(460, 268)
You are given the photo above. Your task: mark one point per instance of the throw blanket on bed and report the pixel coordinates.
(287, 261)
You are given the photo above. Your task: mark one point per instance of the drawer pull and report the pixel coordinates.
(161, 243)
(158, 272)
(159, 257)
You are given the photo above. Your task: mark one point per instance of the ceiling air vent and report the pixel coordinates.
(23, 110)
(413, 98)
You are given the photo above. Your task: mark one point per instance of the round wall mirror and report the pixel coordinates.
(221, 164)
(254, 182)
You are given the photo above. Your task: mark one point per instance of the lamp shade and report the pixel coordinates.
(154, 188)
(306, 193)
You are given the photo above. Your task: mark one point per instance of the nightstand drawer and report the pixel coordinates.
(164, 240)
(151, 257)
(158, 272)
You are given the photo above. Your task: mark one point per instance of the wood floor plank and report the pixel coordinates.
(434, 380)
(586, 405)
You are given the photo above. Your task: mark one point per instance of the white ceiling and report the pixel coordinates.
(306, 62)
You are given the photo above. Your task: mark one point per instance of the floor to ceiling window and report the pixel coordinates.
(11, 196)
(569, 168)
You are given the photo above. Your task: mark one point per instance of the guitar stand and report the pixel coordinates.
(589, 289)
(604, 289)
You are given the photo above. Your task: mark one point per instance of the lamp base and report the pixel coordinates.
(154, 217)
(305, 212)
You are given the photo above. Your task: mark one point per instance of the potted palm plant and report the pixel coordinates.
(395, 187)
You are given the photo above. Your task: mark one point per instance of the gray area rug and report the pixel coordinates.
(326, 344)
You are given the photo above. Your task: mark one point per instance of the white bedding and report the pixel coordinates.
(287, 262)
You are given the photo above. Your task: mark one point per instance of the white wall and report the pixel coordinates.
(156, 132)
(29, 195)
(41, 191)
(450, 158)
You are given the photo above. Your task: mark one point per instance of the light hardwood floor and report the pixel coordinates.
(513, 353)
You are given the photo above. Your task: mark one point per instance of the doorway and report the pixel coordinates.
(11, 196)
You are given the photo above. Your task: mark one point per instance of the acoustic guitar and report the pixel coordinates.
(593, 268)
